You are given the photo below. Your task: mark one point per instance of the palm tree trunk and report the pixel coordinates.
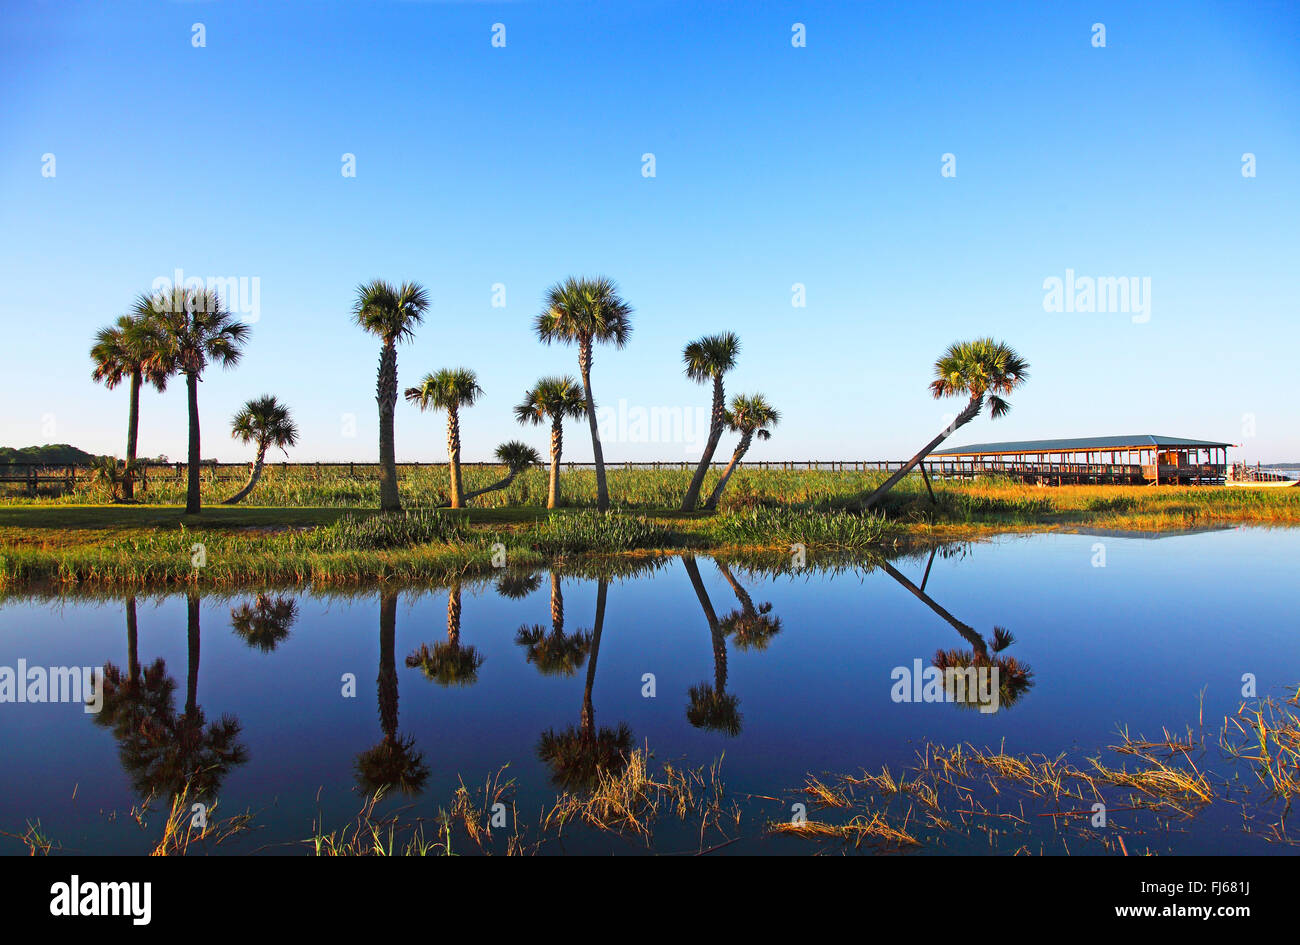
(132, 643)
(387, 682)
(598, 455)
(453, 614)
(254, 475)
(967, 632)
(557, 448)
(588, 717)
(963, 418)
(386, 397)
(715, 434)
(719, 642)
(741, 449)
(192, 640)
(557, 605)
(742, 595)
(193, 504)
(499, 484)
(132, 434)
(453, 457)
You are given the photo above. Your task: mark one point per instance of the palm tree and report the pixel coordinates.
(558, 398)
(711, 706)
(978, 369)
(516, 457)
(555, 653)
(189, 328)
(585, 311)
(752, 628)
(449, 390)
(265, 422)
(391, 314)
(709, 358)
(450, 663)
(751, 416)
(122, 351)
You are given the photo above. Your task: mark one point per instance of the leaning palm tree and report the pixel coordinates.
(121, 352)
(264, 422)
(391, 314)
(583, 312)
(449, 390)
(751, 416)
(189, 329)
(751, 627)
(977, 369)
(516, 457)
(557, 398)
(708, 359)
(710, 706)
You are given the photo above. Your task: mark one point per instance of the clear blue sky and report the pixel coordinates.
(775, 165)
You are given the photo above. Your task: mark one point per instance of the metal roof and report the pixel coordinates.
(1079, 444)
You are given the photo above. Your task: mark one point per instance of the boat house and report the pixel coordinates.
(1137, 459)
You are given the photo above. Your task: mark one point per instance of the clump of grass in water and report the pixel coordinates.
(594, 531)
(394, 530)
(783, 526)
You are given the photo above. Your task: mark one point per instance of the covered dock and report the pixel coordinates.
(1134, 459)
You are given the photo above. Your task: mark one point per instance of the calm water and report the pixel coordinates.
(803, 662)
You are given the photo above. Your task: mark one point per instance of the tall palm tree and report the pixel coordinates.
(583, 312)
(264, 422)
(706, 359)
(977, 369)
(391, 314)
(711, 706)
(190, 328)
(557, 398)
(516, 457)
(751, 416)
(449, 390)
(122, 351)
(450, 663)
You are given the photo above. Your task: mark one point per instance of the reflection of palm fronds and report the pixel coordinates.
(712, 709)
(393, 763)
(554, 654)
(448, 664)
(264, 624)
(1014, 678)
(516, 585)
(751, 631)
(576, 756)
(1002, 638)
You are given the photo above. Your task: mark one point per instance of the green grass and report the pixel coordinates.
(329, 544)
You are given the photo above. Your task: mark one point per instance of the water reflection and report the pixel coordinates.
(163, 752)
(577, 756)
(449, 663)
(555, 653)
(264, 624)
(394, 762)
(1015, 679)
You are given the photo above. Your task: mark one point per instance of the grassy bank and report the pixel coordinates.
(332, 544)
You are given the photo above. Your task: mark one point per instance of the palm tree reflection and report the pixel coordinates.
(752, 628)
(555, 653)
(163, 752)
(1014, 678)
(711, 706)
(577, 755)
(394, 762)
(264, 624)
(450, 663)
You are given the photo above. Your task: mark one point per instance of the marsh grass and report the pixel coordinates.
(588, 531)
(767, 526)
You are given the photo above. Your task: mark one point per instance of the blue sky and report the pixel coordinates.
(774, 165)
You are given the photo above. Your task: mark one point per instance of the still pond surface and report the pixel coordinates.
(781, 676)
